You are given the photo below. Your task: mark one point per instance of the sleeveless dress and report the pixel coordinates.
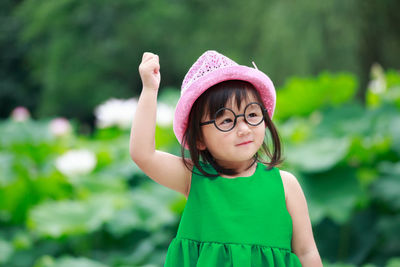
(238, 222)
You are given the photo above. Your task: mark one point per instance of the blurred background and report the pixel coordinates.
(71, 196)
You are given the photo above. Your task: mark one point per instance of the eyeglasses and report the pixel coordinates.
(225, 119)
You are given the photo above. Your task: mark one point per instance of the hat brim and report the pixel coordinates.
(258, 79)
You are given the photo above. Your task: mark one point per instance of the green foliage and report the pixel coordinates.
(43, 210)
(76, 54)
(6, 249)
(302, 96)
(384, 88)
(345, 156)
(67, 262)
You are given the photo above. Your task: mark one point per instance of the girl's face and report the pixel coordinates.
(237, 147)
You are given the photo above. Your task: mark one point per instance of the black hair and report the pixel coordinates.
(210, 102)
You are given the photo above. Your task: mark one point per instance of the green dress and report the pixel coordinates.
(239, 222)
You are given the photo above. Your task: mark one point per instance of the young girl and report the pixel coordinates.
(241, 210)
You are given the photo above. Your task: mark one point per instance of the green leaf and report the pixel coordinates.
(331, 194)
(169, 95)
(394, 262)
(22, 240)
(124, 221)
(310, 94)
(319, 154)
(394, 130)
(388, 228)
(7, 174)
(387, 190)
(148, 208)
(68, 261)
(151, 202)
(6, 250)
(346, 120)
(338, 265)
(55, 219)
(27, 132)
(101, 183)
(389, 168)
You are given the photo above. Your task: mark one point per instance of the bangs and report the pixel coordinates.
(233, 92)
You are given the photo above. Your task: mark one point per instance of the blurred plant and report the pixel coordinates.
(119, 112)
(346, 158)
(60, 127)
(67, 261)
(303, 96)
(377, 85)
(99, 209)
(384, 88)
(57, 193)
(76, 162)
(165, 114)
(20, 114)
(116, 112)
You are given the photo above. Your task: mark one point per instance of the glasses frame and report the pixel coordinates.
(264, 110)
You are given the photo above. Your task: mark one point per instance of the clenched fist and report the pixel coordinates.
(149, 70)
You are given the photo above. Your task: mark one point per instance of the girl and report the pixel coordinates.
(241, 210)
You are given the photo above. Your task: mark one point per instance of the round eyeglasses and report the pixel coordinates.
(225, 119)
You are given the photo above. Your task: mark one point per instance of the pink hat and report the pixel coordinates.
(212, 68)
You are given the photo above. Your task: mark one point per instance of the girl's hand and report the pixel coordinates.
(149, 70)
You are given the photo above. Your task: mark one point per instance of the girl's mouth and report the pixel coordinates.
(244, 143)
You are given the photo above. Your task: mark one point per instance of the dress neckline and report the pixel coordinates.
(242, 177)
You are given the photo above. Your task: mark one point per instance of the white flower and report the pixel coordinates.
(116, 112)
(165, 114)
(20, 114)
(378, 83)
(60, 127)
(76, 162)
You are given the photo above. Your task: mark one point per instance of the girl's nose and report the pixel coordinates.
(242, 127)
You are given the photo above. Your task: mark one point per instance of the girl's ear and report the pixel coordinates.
(200, 145)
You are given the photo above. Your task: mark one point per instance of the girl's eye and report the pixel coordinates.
(226, 121)
(252, 115)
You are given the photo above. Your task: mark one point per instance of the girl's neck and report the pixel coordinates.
(242, 169)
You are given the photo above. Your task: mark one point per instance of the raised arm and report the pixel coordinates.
(164, 168)
(303, 243)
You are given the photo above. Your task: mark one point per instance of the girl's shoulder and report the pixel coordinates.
(290, 183)
(287, 176)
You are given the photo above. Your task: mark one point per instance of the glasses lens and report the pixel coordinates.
(224, 119)
(254, 114)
